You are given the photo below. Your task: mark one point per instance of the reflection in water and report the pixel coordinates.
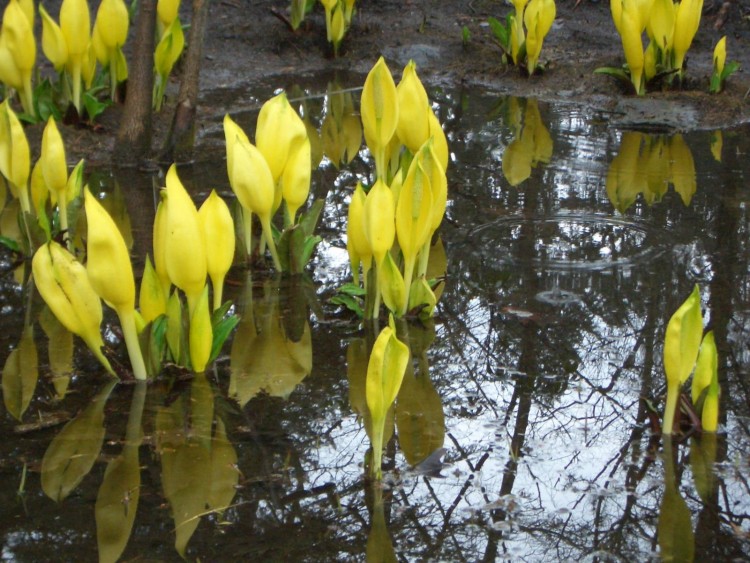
(675, 528)
(533, 397)
(74, 450)
(117, 501)
(532, 142)
(198, 470)
(272, 350)
(647, 164)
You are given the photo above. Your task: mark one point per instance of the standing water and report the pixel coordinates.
(526, 426)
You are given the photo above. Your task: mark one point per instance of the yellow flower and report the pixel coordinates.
(201, 334)
(15, 162)
(65, 287)
(185, 247)
(379, 220)
(111, 274)
(253, 184)
(152, 301)
(295, 182)
(632, 44)
(681, 345)
(413, 220)
(53, 42)
(379, 110)
(278, 133)
(385, 372)
(112, 22)
(661, 24)
(75, 24)
(218, 228)
(413, 126)
(720, 55)
(687, 19)
(538, 19)
(167, 11)
(356, 242)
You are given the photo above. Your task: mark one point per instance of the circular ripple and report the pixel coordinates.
(567, 241)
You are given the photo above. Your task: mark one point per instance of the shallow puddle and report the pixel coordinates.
(522, 431)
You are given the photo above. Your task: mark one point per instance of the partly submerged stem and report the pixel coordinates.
(247, 226)
(268, 235)
(673, 398)
(129, 331)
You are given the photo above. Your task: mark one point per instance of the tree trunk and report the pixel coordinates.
(180, 140)
(133, 140)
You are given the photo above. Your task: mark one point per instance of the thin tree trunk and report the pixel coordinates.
(133, 140)
(181, 137)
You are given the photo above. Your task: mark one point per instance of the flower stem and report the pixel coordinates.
(127, 320)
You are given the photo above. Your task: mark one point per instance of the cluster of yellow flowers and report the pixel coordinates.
(276, 168)
(74, 48)
(407, 201)
(671, 27)
(338, 19)
(181, 236)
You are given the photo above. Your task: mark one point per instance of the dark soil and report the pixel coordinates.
(247, 42)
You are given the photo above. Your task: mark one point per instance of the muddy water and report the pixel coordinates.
(521, 432)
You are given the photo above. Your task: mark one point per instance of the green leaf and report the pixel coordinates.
(614, 72)
(351, 303)
(221, 331)
(10, 244)
(352, 289)
(93, 106)
(729, 69)
(502, 34)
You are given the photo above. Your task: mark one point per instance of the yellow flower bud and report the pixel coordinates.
(218, 228)
(20, 36)
(75, 24)
(661, 24)
(356, 242)
(54, 165)
(152, 300)
(538, 19)
(413, 126)
(14, 149)
(185, 249)
(108, 261)
(112, 23)
(720, 55)
(65, 287)
(278, 132)
(379, 110)
(385, 372)
(201, 334)
(295, 182)
(169, 48)
(379, 220)
(167, 11)
(10, 75)
(251, 177)
(687, 19)
(53, 42)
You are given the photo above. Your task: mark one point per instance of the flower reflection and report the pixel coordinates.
(271, 351)
(198, 466)
(647, 164)
(532, 142)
